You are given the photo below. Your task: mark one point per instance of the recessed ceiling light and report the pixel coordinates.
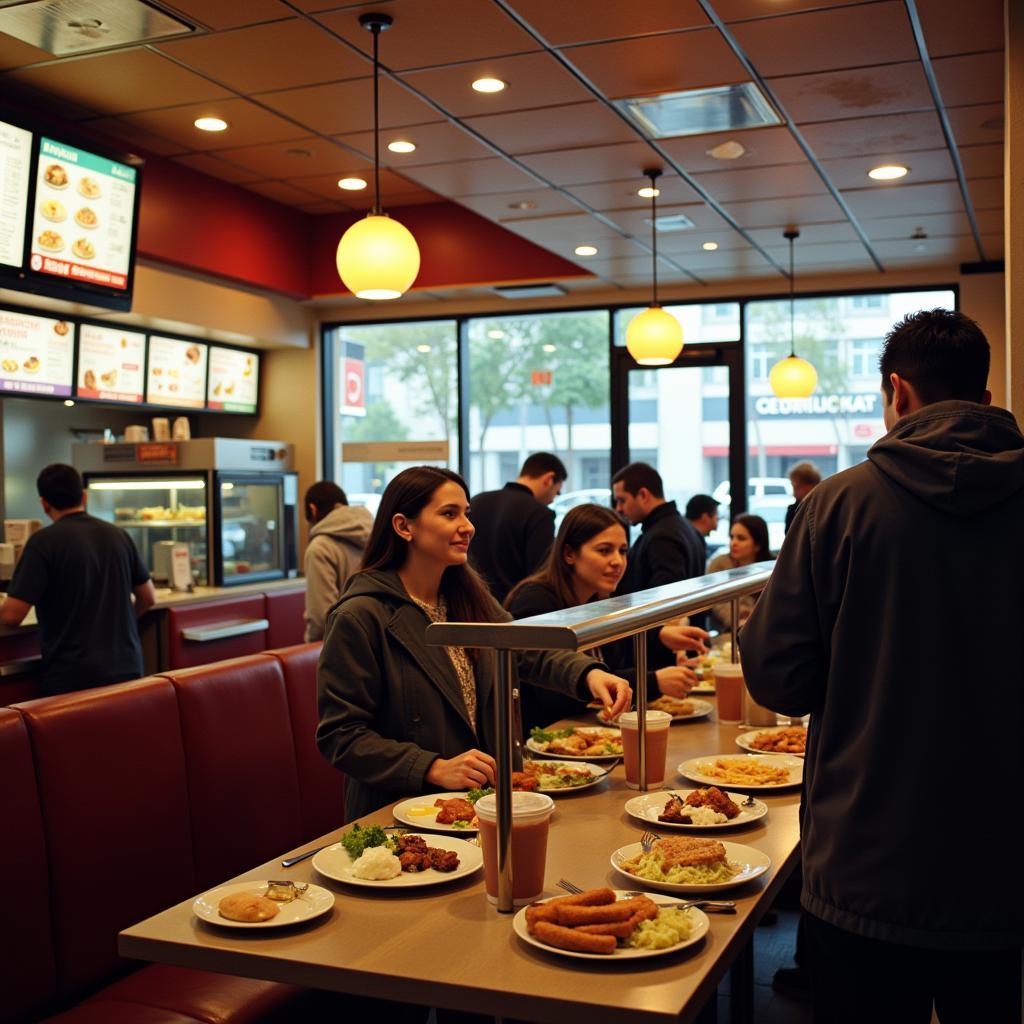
(352, 184)
(523, 204)
(920, 247)
(210, 124)
(647, 192)
(550, 348)
(402, 146)
(731, 150)
(585, 250)
(489, 85)
(69, 403)
(888, 172)
(496, 334)
(423, 348)
(709, 246)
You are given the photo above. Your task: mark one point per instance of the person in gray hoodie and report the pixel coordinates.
(870, 623)
(336, 541)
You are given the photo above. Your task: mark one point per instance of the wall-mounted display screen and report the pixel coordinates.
(36, 354)
(111, 364)
(82, 226)
(177, 372)
(15, 172)
(234, 380)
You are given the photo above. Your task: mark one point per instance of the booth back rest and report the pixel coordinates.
(182, 653)
(321, 785)
(285, 613)
(240, 756)
(114, 796)
(29, 977)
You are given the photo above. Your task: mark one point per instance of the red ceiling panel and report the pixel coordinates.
(563, 24)
(867, 136)
(976, 78)
(952, 28)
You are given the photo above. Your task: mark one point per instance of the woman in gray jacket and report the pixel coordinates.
(400, 717)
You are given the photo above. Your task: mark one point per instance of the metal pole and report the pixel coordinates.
(640, 660)
(734, 631)
(503, 790)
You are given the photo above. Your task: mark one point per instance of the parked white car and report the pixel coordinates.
(370, 501)
(587, 496)
(757, 487)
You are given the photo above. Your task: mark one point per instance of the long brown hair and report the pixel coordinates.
(579, 525)
(758, 530)
(408, 494)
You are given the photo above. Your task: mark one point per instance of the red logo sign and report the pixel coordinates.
(540, 377)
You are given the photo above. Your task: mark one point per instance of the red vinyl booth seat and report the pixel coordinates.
(285, 614)
(182, 653)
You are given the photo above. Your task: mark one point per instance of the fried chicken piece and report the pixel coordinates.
(409, 842)
(414, 860)
(524, 782)
(714, 798)
(688, 851)
(443, 860)
(454, 810)
(675, 812)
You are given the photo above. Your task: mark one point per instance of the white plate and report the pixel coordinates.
(597, 730)
(745, 740)
(752, 864)
(648, 806)
(334, 862)
(691, 770)
(427, 821)
(701, 709)
(312, 903)
(598, 774)
(622, 953)
(703, 689)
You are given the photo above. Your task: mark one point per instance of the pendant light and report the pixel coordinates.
(654, 337)
(792, 377)
(377, 258)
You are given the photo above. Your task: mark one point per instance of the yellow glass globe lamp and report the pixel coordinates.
(378, 258)
(654, 337)
(793, 377)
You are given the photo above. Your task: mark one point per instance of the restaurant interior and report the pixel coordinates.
(847, 159)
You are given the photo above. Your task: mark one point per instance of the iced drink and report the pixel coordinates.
(531, 814)
(729, 691)
(656, 746)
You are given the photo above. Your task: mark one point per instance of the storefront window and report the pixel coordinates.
(719, 322)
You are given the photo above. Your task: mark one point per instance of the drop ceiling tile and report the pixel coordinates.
(594, 164)
(810, 234)
(429, 33)
(845, 37)
(636, 266)
(986, 193)
(621, 195)
(975, 78)
(231, 13)
(325, 186)
(957, 249)
(909, 199)
(15, 54)
(289, 159)
(809, 257)
(747, 259)
(665, 63)
(133, 137)
(607, 248)
(437, 143)
(562, 24)
(281, 192)
(923, 165)
(395, 200)
(345, 107)
(953, 222)
(764, 147)
(741, 10)
(117, 83)
(323, 206)
(783, 212)
(635, 220)
(953, 28)
(868, 136)
(994, 245)
(990, 220)
(217, 168)
(563, 227)
(683, 244)
(501, 206)
(555, 128)
(534, 80)
(472, 177)
(316, 6)
(885, 89)
(982, 161)
(762, 182)
(977, 125)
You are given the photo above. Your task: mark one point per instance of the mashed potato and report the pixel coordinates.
(669, 928)
(377, 864)
(705, 816)
(651, 867)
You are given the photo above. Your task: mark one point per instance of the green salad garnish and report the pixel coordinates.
(358, 839)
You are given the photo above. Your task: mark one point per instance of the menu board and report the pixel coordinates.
(111, 364)
(234, 379)
(15, 170)
(177, 372)
(36, 354)
(82, 221)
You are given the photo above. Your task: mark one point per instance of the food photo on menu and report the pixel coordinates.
(36, 354)
(110, 364)
(234, 379)
(177, 373)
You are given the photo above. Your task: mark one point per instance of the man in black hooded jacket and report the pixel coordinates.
(869, 623)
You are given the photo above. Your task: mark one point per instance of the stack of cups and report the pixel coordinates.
(655, 746)
(531, 815)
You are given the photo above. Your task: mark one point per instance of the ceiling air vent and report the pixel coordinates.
(528, 291)
(673, 222)
(63, 27)
(699, 111)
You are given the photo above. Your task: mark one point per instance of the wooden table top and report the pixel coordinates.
(447, 946)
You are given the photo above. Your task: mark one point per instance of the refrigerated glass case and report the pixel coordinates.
(233, 502)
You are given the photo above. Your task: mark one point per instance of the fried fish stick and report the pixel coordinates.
(572, 916)
(572, 939)
(620, 929)
(548, 911)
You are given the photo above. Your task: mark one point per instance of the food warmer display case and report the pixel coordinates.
(234, 503)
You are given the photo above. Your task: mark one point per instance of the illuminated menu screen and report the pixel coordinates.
(15, 171)
(234, 379)
(111, 364)
(36, 354)
(82, 221)
(177, 372)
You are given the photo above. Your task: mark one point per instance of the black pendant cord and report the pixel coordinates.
(792, 234)
(376, 120)
(654, 175)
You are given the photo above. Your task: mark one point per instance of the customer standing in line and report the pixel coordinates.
(669, 548)
(514, 525)
(880, 559)
(748, 543)
(702, 515)
(397, 715)
(89, 587)
(336, 541)
(804, 477)
(586, 564)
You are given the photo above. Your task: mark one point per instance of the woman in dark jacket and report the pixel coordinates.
(400, 717)
(586, 563)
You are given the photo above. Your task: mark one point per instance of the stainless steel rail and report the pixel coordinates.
(577, 629)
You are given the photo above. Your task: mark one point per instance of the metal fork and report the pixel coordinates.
(719, 906)
(647, 841)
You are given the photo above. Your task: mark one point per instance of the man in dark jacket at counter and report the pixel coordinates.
(81, 574)
(882, 561)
